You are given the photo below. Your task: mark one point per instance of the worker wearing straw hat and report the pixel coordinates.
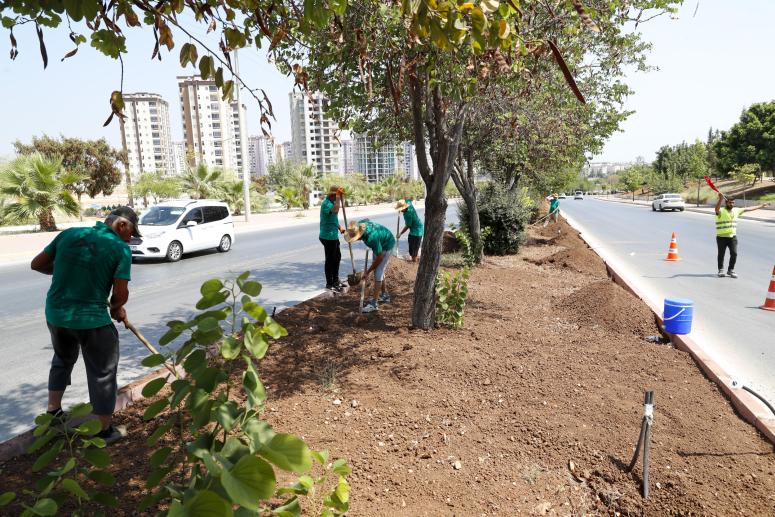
(381, 242)
(414, 225)
(329, 237)
(554, 209)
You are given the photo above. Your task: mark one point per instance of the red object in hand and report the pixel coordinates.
(711, 185)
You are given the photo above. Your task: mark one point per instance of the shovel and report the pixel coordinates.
(148, 345)
(352, 279)
(363, 280)
(398, 235)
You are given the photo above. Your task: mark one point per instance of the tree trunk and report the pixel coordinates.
(424, 308)
(46, 221)
(475, 229)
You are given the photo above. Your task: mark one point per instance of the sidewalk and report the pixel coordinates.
(19, 248)
(765, 215)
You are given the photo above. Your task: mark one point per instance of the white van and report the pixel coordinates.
(173, 228)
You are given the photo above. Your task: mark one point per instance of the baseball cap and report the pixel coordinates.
(130, 215)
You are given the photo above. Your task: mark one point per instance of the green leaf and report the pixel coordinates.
(47, 457)
(342, 490)
(211, 300)
(42, 421)
(226, 414)
(213, 467)
(260, 433)
(97, 457)
(208, 504)
(256, 311)
(251, 288)
(208, 325)
(42, 440)
(6, 498)
(243, 276)
(211, 286)
(201, 446)
(206, 67)
(208, 378)
(201, 416)
(288, 452)
(274, 329)
(289, 509)
(79, 410)
(153, 387)
(160, 431)
(74, 488)
(109, 43)
(155, 408)
(251, 480)
(321, 457)
(103, 477)
(153, 360)
(233, 450)
(252, 384)
(228, 90)
(152, 499)
(156, 477)
(180, 388)
(104, 499)
(195, 361)
(256, 342)
(170, 336)
(160, 456)
(341, 467)
(231, 348)
(218, 81)
(45, 507)
(339, 6)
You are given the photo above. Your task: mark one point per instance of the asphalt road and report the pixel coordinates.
(287, 261)
(728, 323)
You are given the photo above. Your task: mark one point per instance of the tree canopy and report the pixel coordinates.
(750, 141)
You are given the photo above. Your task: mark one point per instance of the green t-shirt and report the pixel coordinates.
(86, 260)
(412, 220)
(329, 221)
(378, 238)
(554, 204)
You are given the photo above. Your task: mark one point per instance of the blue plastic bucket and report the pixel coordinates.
(678, 315)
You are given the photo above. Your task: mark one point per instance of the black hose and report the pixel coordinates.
(637, 447)
(752, 392)
(646, 455)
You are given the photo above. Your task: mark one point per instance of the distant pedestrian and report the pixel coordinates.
(554, 209)
(413, 225)
(381, 242)
(329, 237)
(726, 231)
(88, 266)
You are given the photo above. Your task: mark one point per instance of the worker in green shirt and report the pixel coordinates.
(88, 265)
(329, 237)
(413, 225)
(554, 209)
(381, 242)
(726, 232)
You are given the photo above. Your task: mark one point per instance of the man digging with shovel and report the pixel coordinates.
(414, 225)
(87, 264)
(381, 242)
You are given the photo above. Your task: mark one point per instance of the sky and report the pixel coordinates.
(710, 67)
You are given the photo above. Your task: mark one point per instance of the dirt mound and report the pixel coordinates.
(606, 304)
(581, 261)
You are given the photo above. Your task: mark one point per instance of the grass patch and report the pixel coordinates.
(328, 376)
(452, 260)
(766, 197)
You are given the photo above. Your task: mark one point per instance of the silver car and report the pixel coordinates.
(668, 202)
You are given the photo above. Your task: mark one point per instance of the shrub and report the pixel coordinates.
(451, 296)
(505, 213)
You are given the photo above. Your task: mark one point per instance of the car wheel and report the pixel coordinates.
(174, 251)
(680, 209)
(653, 207)
(661, 208)
(225, 244)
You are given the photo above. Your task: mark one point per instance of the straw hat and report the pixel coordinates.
(334, 190)
(402, 205)
(354, 232)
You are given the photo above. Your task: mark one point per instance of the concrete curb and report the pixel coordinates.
(688, 209)
(747, 406)
(127, 396)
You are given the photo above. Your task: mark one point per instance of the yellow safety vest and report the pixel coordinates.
(726, 222)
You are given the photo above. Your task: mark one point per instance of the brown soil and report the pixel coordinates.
(548, 374)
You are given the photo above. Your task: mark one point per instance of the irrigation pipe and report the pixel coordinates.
(644, 441)
(736, 384)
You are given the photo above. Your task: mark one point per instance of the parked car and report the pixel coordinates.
(578, 195)
(562, 196)
(173, 228)
(668, 202)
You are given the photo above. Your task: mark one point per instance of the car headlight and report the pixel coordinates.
(154, 235)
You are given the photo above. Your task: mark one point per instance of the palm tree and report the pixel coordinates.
(232, 194)
(200, 183)
(38, 187)
(289, 197)
(303, 180)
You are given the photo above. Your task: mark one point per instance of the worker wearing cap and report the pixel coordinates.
(329, 237)
(413, 225)
(726, 231)
(554, 209)
(88, 265)
(381, 242)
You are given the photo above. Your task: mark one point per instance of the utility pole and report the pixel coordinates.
(242, 142)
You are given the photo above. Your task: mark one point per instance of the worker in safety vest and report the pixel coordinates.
(726, 231)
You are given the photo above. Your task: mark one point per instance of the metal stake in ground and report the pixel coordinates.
(148, 344)
(363, 281)
(644, 440)
(351, 279)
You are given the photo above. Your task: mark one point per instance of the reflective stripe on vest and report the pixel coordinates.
(726, 223)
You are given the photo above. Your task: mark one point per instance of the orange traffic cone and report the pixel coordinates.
(672, 252)
(769, 302)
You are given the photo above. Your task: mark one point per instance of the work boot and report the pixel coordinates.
(731, 274)
(112, 434)
(370, 307)
(721, 273)
(384, 298)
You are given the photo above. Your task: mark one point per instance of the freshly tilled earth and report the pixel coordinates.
(534, 407)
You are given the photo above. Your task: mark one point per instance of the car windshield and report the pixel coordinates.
(161, 215)
(673, 196)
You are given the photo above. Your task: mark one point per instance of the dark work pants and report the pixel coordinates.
(723, 243)
(333, 258)
(100, 355)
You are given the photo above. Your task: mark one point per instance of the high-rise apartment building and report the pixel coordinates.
(146, 133)
(215, 130)
(261, 151)
(376, 163)
(410, 161)
(180, 165)
(314, 135)
(348, 157)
